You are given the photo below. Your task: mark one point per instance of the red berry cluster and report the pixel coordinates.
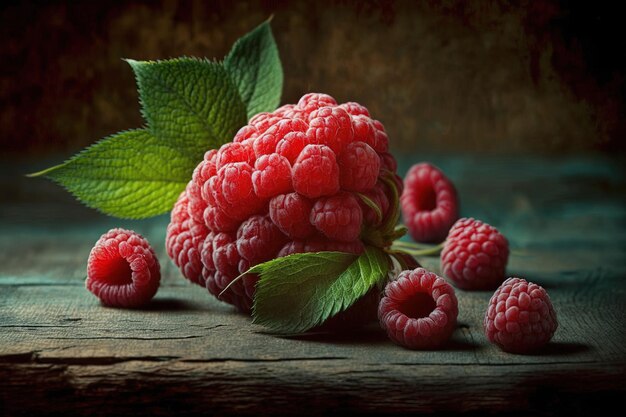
(289, 182)
(520, 317)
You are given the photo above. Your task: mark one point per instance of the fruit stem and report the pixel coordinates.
(415, 246)
(434, 250)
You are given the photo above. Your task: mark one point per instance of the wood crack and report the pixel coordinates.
(127, 338)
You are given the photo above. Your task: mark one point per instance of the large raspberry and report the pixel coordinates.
(474, 255)
(520, 317)
(123, 270)
(429, 203)
(419, 310)
(290, 181)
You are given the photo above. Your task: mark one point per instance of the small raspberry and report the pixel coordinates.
(272, 176)
(316, 172)
(290, 212)
(419, 310)
(474, 255)
(429, 203)
(338, 217)
(520, 317)
(359, 166)
(123, 270)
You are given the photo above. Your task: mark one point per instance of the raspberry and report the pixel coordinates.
(272, 176)
(520, 317)
(359, 166)
(429, 203)
(290, 212)
(285, 184)
(474, 255)
(338, 217)
(316, 172)
(123, 270)
(419, 310)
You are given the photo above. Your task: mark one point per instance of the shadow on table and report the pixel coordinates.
(372, 335)
(170, 304)
(562, 349)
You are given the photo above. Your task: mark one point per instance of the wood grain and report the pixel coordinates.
(62, 352)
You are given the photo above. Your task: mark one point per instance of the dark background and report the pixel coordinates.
(539, 77)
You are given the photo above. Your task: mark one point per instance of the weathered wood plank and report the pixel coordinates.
(64, 323)
(565, 219)
(331, 386)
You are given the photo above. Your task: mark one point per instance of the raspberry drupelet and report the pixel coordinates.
(290, 181)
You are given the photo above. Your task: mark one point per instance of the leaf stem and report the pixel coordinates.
(435, 250)
(415, 246)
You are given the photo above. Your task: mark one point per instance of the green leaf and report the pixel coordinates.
(255, 67)
(190, 103)
(301, 291)
(130, 174)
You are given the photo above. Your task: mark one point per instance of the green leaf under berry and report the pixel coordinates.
(301, 291)
(190, 105)
(254, 64)
(130, 174)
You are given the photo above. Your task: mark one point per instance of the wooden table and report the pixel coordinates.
(62, 353)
